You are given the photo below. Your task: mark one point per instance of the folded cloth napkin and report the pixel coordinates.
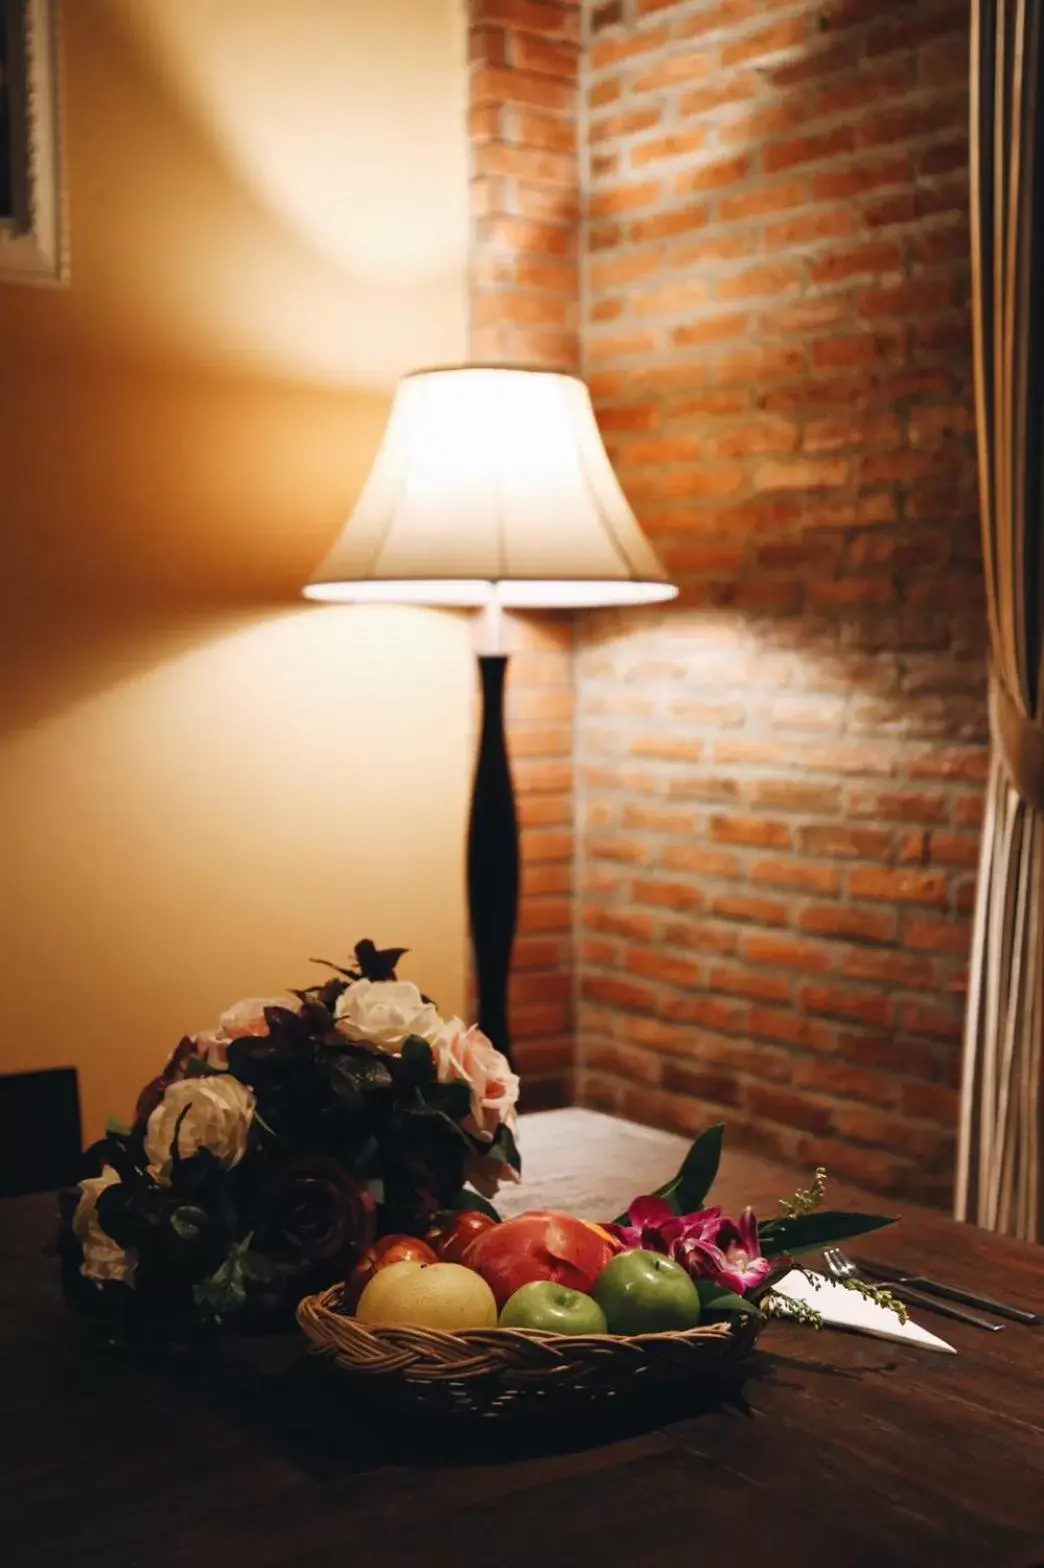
(842, 1308)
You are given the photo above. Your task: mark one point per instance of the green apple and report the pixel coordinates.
(556, 1309)
(646, 1293)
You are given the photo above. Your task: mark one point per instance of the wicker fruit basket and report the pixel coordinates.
(512, 1372)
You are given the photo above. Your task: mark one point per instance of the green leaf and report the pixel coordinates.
(354, 1073)
(378, 963)
(258, 1266)
(699, 1168)
(776, 1273)
(715, 1298)
(224, 1291)
(452, 1099)
(467, 1198)
(504, 1144)
(416, 1064)
(259, 1121)
(196, 1067)
(227, 1288)
(810, 1232)
(687, 1191)
(421, 1110)
(189, 1222)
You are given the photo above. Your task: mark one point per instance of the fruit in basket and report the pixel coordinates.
(429, 1295)
(453, 1232)
(555, 1309)
(542, 1244)
(383, 1253)
(646, 1293)
(601, 1231)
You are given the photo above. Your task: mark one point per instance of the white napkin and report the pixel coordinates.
(843, 1308)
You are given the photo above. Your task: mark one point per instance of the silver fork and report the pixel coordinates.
(841, 1267)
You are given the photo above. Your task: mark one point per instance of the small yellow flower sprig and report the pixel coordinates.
(807, 1199)
(793, 1311)
(803, 1312)
(879, 1295)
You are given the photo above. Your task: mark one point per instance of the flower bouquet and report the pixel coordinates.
(271, 1152)
(550, 1310)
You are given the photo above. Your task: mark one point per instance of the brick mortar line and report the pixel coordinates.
(753, 181)
(903, 228)
(725, 886)
(944, 1053)
(670, 165)
(898, 990)
(782, 11)
(679, 44)
(817, 1098)
(836, 949)
(901, 1080)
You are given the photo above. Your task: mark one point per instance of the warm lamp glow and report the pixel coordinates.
(511, 595)
(492, 484)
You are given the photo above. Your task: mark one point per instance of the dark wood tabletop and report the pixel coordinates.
(835, 1449)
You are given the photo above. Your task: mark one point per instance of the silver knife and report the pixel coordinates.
(926, 1303)
(935, 1287)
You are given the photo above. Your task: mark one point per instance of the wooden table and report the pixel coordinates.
(838, 1450)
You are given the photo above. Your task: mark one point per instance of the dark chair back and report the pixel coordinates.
(40, 1134)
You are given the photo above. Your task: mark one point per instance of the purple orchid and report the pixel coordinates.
(743, 1267)
(655, 1227)
(705, 1243)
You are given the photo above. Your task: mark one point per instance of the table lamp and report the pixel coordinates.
(492, 489)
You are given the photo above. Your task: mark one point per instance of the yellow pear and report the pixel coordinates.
(428, 1295)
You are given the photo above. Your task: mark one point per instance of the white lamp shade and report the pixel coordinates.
(492, 482)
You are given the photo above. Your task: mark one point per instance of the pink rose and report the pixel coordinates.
(212, 1045)
(464, 1055)
(242, 1018)
(248, 1016)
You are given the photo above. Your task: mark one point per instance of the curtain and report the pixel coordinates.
(1000, 1178)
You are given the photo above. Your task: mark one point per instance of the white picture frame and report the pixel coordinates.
(33, 230)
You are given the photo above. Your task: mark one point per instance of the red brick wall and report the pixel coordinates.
(780, 780)
(524, 309)
(523, 121)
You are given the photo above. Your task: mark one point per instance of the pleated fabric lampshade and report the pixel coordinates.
(492, 482)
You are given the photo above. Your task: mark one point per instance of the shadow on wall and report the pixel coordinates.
(234, 794)
(137, 487)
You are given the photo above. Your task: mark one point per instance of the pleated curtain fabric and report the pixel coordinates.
(1000, 1178)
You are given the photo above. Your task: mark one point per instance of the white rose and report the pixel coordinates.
(214, 1113)
(102, 1258)
(384, 1012)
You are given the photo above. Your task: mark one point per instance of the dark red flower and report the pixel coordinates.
(311, 1212)
(154, 1091)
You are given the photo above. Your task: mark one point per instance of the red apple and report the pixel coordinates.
(543, 1244)
(390, 1249)
(454, 1231)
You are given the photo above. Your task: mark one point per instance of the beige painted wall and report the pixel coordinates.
(203, 782)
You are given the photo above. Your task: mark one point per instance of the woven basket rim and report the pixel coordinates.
(328, 1304)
